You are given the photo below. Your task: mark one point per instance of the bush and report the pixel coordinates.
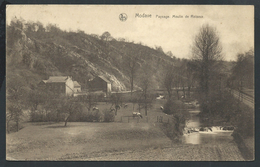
(42, 116)
(98, 116)
(180, 115)
(88, 117)
(245, 121)
(173, 106)
(12, 127)
(172, 131)
(54, 116)
(83, 116)
(37, 116)
(109, 116)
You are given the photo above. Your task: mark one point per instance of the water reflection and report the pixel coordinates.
(211, 135)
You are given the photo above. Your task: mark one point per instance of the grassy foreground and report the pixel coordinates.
(109, 141)
(53, 142)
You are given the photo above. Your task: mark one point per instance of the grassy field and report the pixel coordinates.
(52, 141)
(110, 141)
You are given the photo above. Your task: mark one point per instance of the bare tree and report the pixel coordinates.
(207, 54)
(132, 67)
(146, 83)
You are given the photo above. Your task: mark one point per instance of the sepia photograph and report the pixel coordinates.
(130, 83)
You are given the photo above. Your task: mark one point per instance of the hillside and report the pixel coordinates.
(35, 52)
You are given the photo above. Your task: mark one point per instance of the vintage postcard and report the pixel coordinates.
(130, 83)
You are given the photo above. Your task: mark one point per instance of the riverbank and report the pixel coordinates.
(246, 146)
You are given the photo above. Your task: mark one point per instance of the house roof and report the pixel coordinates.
(76, 84)
(56, 79)
(103, 78)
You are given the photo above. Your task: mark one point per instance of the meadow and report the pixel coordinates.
(53, 141)
(139, 139)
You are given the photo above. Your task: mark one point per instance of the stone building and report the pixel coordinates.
(61, 85)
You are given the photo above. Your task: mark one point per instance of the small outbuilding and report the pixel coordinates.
(100, 83)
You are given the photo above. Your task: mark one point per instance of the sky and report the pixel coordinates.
(234, 24)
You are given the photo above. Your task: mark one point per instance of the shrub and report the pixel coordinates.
(245, 121)
(36, 116)
(12, 127)
(54, 116)
(98, 116)
(173, 106)
(109, 116)
(180, 115)
(88, 116)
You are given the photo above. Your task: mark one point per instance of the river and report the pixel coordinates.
(199, 133)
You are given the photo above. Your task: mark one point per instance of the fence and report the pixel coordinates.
(159, 119)
(246, 99)
(130, 119)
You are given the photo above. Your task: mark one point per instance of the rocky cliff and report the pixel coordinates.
(35, 52)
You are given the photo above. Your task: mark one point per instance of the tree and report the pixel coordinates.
(52, 104)
(132, 67)
(182, 73)
(243, 71)
(159, 48)
(190, 75)
(207, 55)
(169, 79)
(90, 100)
(53, 29)
(34, 99)
(14, 113)
(69, 106)
(169, 53)
(116, 100)
(106, 36)
(14, 32)
(146, 83)
(15, 96)
(40, 29)
(179, 114)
